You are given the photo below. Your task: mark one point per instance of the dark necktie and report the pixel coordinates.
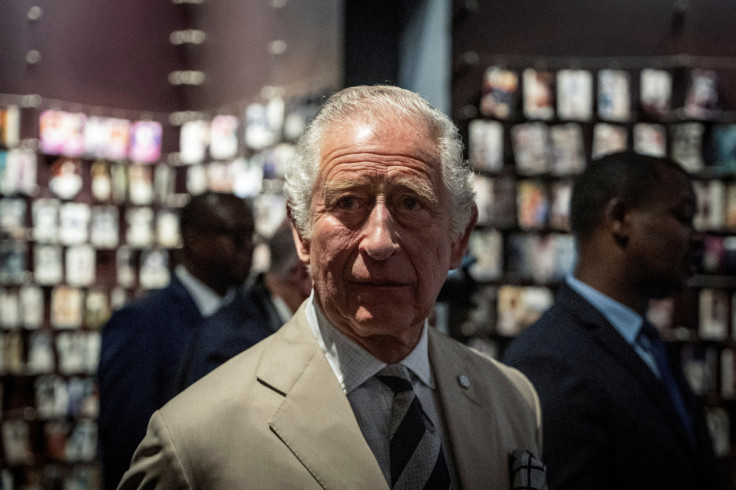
(651, 341)
(417, 459)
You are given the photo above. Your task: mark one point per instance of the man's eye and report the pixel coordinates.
(347, 202)
(409, 203)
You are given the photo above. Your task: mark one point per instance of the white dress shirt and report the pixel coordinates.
(355, 369)
(208, 301)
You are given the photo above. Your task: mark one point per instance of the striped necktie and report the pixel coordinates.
(417, 459)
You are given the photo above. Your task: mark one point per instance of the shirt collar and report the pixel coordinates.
(206, 299)
(625, 320)
(351, 363)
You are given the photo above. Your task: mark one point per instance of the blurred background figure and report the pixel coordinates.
(265, 304)
(143, 343)
(617, 413)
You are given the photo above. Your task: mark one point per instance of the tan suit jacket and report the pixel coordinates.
(275, 417)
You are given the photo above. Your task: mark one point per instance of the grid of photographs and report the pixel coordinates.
(89, 220)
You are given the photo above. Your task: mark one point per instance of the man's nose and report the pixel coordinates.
(379, 240)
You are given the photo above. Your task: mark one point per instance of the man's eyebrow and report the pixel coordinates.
(420, 187)
(334, 188)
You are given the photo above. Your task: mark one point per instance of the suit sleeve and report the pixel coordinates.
(127, 391)
(577, 447)
(156, 463)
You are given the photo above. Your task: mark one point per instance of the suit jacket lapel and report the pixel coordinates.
(315, 419)
(462, 411)
(611, 341)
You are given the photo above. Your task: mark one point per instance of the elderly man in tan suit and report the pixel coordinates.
(357, 391)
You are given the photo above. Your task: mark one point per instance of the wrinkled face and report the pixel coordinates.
(380, 246)
(664, 247)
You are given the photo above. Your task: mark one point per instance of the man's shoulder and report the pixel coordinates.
(470, 360)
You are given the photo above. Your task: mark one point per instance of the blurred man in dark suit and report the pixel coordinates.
(266, 304)
(617, 414)
(143, 343)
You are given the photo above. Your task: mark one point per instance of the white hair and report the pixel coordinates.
(375, 104)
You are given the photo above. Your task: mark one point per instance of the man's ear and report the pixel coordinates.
(459, 246)
(302, 244)
(616, 217)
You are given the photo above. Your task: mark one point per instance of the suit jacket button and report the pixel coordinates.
(464, 381)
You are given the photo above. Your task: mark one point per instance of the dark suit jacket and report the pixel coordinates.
(142, 345)
(250, 318)
(608, 422)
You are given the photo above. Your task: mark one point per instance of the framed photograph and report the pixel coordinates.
(699, 365)
(167, 228)
(145, 141)
(17, 442)
(32, 306)
(101, 181)
(714, 314)
(574, 95)
(532, 204)
(140, 185)
(20, 172)
(66, 307)
(104, 227)
(224, 130)
(62, 133)
(485, 145)
(609, 138)
(519, 307)
(260, 131)
(163, 183)
(723, 142)
(47, 264)
(614, 95)
(702, 98)
(80, 265)
(13, 261)
(96, 308)
(106, 137)
(196, 179)
(276, 160)
(72, 349)
(154, 273)
(41, 358)
(13, 349)
(687, 145)
(247, 177)
(531, 144)
(500, 93)
(10, 126)
(194, 139)
(539, 94)
(13, 217)
(119, 174)
(66, 177)
(9, 308)
(74, 218)
(486, 246)
(560, 192)
(45, 220)
(126, 269)
(650, 139)
(568, 149)
(139, 223)
(655, 89)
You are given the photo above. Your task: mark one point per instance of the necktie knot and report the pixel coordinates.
(396, 377)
